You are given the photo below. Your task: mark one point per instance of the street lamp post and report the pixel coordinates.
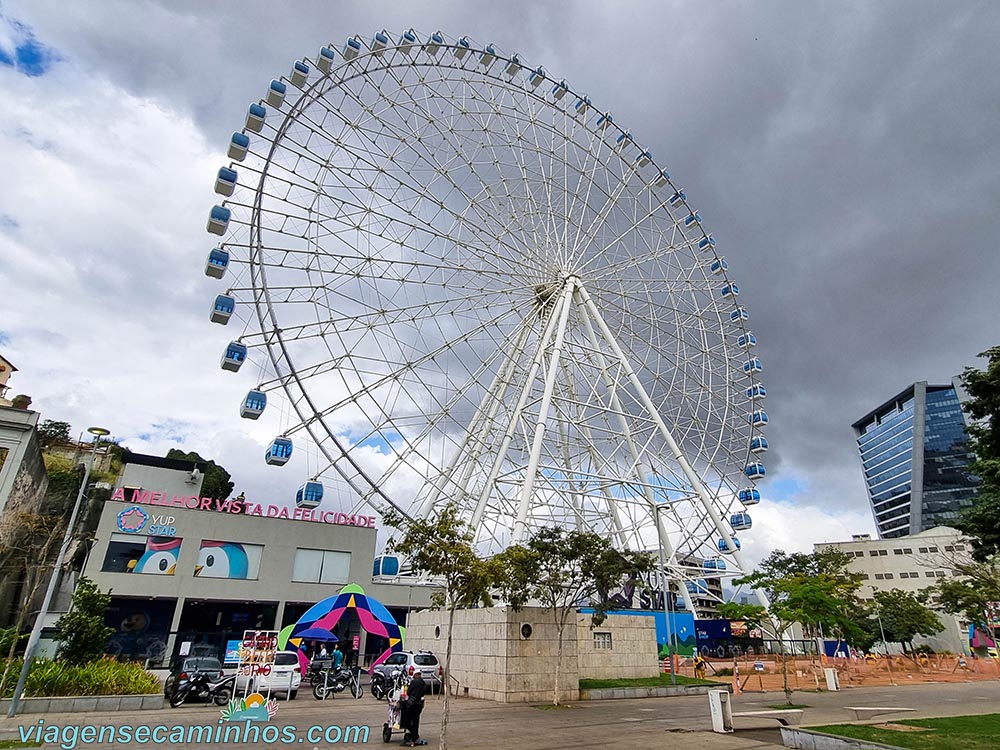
(664, 584)
(36, 631)
(888, 659)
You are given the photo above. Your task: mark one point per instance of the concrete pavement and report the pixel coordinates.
(664, 723)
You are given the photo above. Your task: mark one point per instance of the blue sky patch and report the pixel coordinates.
(29, 56)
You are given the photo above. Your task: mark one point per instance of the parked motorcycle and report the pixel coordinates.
(201, 686)
(383, 683)
(333, 681)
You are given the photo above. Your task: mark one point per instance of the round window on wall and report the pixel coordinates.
(437, 631)
(526, 631)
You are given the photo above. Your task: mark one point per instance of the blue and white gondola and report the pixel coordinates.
(222, 309)
(755, 470)
(217, 263)
(278, 452)
(309, 495)
(256, 115)
(218, 220)
(740, 521)
(750, 496)
(253, 404)
(239, 144)
(225, 181)
(758, 444)
(234, 356)
(276, 93)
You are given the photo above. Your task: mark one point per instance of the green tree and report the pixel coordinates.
(81, 632)
(216, 482)
(562, 569)
(51, 432)
(32, 537)
(814, 590)
(982, 520)
(971, 592)
(441, 548)
(903, 617)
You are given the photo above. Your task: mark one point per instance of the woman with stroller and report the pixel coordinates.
(411, 707)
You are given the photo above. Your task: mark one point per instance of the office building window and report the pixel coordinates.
(922, 550)
(883, 552)
(859, 553)
(321, 566)
(131, 553)
(932, 549)
(897, 551)
(929, 574)
(889, 576)
(233, 560)
(880, 576)
(873, 553)
(908, 550)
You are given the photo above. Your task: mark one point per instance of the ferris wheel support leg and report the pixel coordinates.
(573, 492)
(543, 412)
(616, 520)
(641, 469)
(681, 459)
(502, 379)
(515, 417)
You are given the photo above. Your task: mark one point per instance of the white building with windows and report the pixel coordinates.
(910, 563)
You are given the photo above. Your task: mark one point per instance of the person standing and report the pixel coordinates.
(414, 705)
(338, 656)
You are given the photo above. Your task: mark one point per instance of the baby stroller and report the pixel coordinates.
(395, 698)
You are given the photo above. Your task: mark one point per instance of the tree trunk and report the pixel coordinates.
(560, 626)
(784, 671)
(443, 741)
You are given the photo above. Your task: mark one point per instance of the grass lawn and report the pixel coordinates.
(662, 680)
(954, 733)
(16, 743)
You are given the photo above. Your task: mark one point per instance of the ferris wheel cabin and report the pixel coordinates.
(300, 73)
(755, 470)
(749, 496)
(225, 181)
(380, 42)
(253, 405)
(514, 66)
(326, 59)
(719, 266)
(352, 49)
(752, 365)
(714, 565)
(309, 495)
(217, 263)
(707, 242)
(738, 314)
(239, 144)
(756, 391)
(222, 310)
(255, 117)
(758, 444)
(697, 587)
(740, 521)
(278, 452)
(218, 220)
(234, 356)
(746, 341)
(758, 418)
(276, 93)
(724, 548)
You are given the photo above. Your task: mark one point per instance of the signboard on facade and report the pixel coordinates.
(240, 507)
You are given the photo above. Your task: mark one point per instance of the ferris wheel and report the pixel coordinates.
(470, 285)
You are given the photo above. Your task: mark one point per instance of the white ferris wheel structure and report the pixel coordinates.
(468, 284)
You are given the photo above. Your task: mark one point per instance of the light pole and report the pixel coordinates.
(36, 631)
(664, 584)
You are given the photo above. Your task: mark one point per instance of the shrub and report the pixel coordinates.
(724, 672)
(101, 677)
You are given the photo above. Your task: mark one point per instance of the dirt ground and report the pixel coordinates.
(807, 673)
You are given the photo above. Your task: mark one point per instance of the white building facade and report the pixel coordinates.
(910, 563)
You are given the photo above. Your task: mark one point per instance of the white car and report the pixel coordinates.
(284, 676)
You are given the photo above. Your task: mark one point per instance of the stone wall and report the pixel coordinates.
(491, 658)
(510, 657)
(632, 653)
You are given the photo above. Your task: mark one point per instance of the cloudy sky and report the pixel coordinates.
(846, 154)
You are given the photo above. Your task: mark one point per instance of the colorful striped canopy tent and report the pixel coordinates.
(324, 615)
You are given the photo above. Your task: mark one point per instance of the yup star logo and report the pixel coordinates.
(132, 519)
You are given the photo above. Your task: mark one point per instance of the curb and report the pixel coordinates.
(86, 703)
(804, 739)
(603, 694)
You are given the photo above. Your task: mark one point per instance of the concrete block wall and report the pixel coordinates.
(491, 659)
(633, 648)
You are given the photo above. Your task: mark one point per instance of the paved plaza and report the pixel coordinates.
(648, 723)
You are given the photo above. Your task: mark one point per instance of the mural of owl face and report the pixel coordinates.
(160, 557)
(222, 560)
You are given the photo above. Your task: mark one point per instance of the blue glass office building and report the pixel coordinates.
(915, 456)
